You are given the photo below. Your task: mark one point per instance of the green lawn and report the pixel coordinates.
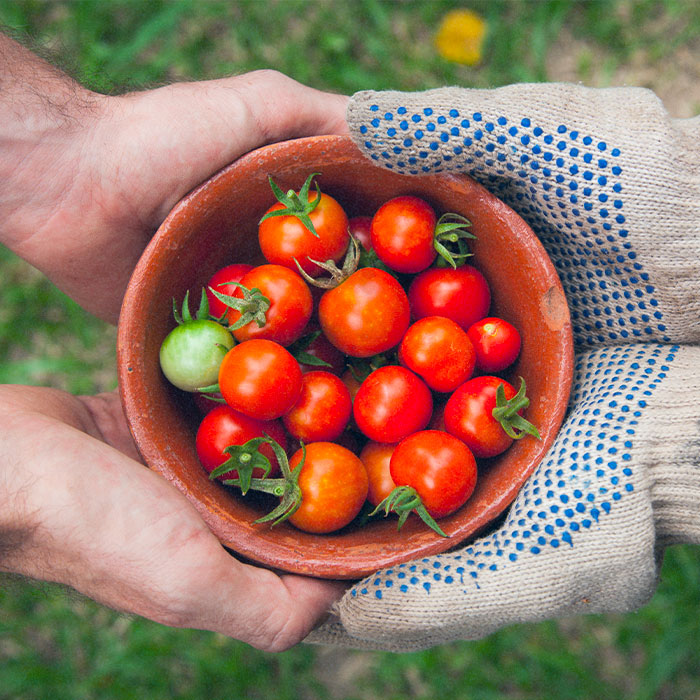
(55, 645)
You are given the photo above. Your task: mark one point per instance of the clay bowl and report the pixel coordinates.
(216, 225)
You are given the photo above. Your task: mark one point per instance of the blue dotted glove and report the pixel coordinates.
(611, 186)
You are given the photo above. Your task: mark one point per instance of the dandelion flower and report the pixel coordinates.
(461, 36)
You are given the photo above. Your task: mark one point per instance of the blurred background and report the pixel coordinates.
(55, 644)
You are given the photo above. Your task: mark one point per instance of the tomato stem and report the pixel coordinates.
(450, 239)
(507, 413)
(337, 275)
(285, 488)
(243, 459)
(296, 204)
(253, 305)
(403, 500)
(185, 316)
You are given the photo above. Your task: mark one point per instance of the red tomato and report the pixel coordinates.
(392, 403)
(439, 351)
(366, 314)
(360, 230)
(221, 281)
(351, 382)
(322, 349)
(403, 233)
(376, 457)
(223, 427)
(284, 239)
(439, 467)
(496, 344)
(461, 294)
(290, 305)
(469, 415)
(437, 421)
(322, 411)
(205, 405)
(260, 378)
(333, 483)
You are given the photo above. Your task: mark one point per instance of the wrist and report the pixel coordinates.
(45, 117)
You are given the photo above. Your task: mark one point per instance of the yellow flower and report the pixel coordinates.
(461, 36)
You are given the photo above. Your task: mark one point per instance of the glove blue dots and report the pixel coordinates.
(586, 475)
(567, 185)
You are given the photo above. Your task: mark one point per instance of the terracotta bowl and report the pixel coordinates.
(216, 225)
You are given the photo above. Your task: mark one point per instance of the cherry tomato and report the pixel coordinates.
(365, 315)
(322, 410)
(221, 281)
(469, 415)
(392, 403)
(223, 427)
(318, 348)
(333, 483)
(437, 420)
(496, 344)
(376, 457)
(260, 378)
(439, 467)
(402, 234)
(284, 239)
(439, 351)
(360, 230)
(290, 305)
(192, 352)
(352, 382)
(460, 294)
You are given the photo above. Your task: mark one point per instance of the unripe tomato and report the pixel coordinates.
(192, 352)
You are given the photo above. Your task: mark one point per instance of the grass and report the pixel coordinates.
(54, 644)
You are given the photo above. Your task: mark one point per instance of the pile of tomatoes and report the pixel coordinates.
(358, 365)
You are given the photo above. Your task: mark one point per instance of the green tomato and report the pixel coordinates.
(192, 352)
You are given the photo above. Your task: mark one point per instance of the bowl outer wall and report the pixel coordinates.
(215, 225)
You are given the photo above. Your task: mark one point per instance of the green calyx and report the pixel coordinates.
(243, 459)
(507, 413)
(403, 500)
(299, 348)
(450, 240)
(285, 488)
(338, 275)
(184, 316)
(252, 305)
(296, 204)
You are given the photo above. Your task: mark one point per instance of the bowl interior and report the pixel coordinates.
(216, 225)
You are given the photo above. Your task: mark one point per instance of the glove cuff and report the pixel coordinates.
(673, 456)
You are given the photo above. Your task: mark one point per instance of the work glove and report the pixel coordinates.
(610, 184)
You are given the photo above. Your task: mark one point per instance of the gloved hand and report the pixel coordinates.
(611, 186)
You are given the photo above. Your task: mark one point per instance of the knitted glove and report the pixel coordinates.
(611, 186)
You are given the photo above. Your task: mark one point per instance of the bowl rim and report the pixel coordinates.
(282, 557)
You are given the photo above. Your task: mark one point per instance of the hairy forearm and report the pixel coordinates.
(43, 118)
